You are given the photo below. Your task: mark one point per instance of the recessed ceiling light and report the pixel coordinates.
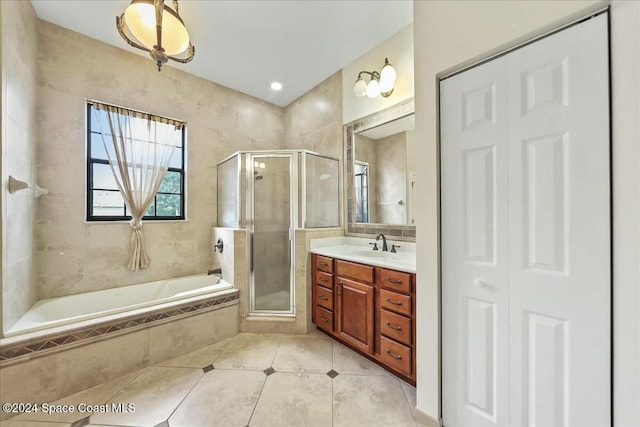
(276, 85)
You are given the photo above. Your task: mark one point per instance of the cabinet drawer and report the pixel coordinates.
(395, 355)
(324, 319)
(324, 279)
(395, 302)
(324, 297)
(395, 326)
(323, 263)
(395, 280)
(363, 273)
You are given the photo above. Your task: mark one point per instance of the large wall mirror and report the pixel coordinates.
(380, 171)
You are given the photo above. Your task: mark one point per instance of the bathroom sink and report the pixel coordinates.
(371, 254)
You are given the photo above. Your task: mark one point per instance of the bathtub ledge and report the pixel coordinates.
(29, 346)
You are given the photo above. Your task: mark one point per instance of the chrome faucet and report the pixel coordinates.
(384, 242)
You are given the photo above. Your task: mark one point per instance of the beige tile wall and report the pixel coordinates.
(52, 377)
(391, 153)
(19, 140)
(314, 121)
(74, 256)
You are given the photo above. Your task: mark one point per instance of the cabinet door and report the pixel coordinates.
(355, 313)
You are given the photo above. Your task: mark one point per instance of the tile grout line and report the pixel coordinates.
(196, 383)
(253, 411)
(120, 389)
(263, 385)
(186, 395)
(333, 368)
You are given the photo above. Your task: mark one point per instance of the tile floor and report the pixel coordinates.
(248, 380)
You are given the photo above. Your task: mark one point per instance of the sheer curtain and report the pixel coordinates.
(139, 147)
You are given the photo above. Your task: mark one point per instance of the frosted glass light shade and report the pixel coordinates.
(373, 88)
(388, 73)
(360, 88)
(140, 19)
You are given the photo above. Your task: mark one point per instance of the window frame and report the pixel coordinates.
(90, 161)
(364, 189)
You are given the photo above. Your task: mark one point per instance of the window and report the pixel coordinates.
(362, 191)
(104, 202)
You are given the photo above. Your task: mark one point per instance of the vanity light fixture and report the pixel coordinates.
(379, 83)
(154, 27)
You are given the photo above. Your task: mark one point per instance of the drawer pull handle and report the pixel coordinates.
(324, 319)
(324, 279)
(323, 298)
(397, 328)
(394, 302)
(340, 288)
(395, 356)
(397, 282)
(323, 264)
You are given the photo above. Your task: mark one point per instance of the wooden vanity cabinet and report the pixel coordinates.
(322, 292)
(372, 311)
(355, 304)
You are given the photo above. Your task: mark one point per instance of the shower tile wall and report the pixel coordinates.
(19, 139)
(74, 256)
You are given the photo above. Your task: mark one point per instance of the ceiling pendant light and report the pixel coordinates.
(381, 83)
(154, 27)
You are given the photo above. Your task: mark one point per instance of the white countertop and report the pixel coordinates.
(358, 250)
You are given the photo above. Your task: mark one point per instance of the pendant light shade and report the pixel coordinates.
(152, 26)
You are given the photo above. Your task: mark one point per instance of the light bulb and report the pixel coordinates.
(360, 88)
(373, 88)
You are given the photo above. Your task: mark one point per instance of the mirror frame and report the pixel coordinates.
(371, 230)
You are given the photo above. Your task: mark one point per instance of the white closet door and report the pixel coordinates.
(559, 229)
(474, 246)
(525, 201)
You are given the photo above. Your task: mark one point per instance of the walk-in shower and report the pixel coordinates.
(272, 193)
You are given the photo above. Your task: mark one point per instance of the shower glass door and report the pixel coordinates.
(272, 233)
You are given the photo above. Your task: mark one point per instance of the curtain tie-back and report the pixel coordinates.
(136, 224)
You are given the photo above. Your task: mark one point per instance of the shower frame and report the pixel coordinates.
(245, 189)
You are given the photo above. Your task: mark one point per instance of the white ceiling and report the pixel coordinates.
(245, 45)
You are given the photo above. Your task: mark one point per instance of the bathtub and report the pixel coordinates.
(57, 315)
(72, 343)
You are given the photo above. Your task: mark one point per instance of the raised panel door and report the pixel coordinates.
(355, 313)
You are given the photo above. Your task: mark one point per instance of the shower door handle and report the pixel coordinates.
(251, 253)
